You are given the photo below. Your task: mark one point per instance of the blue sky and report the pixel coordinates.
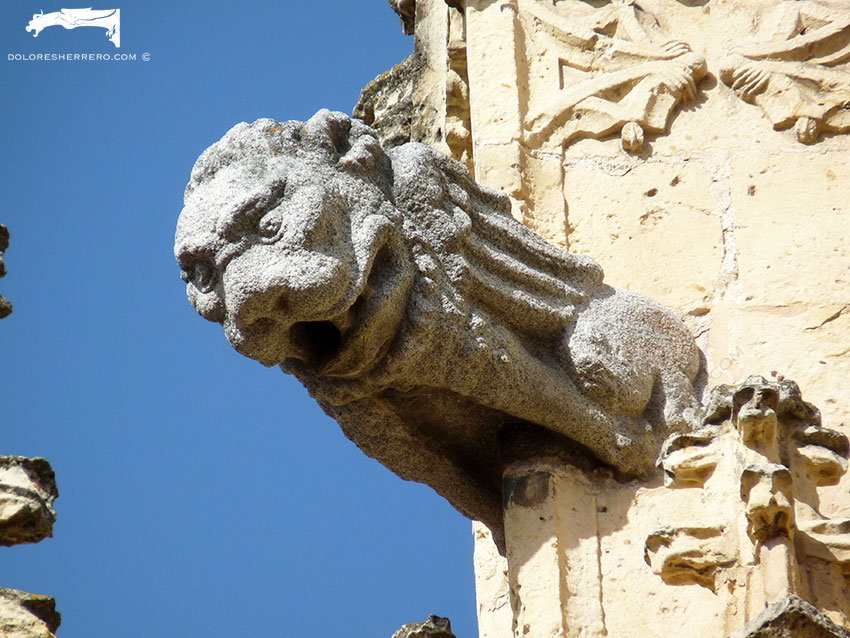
(201, 494)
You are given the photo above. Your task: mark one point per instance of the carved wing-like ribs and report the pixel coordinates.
(507, 268)
(540, 285)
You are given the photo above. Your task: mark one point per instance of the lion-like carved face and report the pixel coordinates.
(275, 248)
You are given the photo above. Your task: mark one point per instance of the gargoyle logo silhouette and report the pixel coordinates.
(109, 19)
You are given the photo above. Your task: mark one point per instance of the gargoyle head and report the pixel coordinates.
(286, 238)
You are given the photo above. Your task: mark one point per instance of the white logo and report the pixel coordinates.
(109, 19)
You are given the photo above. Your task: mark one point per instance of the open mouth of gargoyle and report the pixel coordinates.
(353, 341)
(315, 342)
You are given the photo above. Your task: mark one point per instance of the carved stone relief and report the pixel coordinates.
(618, 72)
(595, 69)
(796, 69)
(683, 554)
(762, 437)
(755, 510)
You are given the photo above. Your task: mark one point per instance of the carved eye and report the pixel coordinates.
(201, 275)
(269, 224)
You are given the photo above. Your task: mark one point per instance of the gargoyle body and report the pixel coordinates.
(418, 312)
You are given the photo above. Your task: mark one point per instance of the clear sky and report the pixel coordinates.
(201, 494)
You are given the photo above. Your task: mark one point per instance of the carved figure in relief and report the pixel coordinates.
(418, 312)
(764, 437)
(619, 73)
(796, 69)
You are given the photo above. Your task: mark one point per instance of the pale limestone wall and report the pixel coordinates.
(729, 206)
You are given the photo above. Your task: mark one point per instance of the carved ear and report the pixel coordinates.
(329, 130)
(363, 156)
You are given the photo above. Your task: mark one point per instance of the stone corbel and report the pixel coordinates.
(689, 555)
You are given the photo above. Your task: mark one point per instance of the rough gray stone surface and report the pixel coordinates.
(386, 104)
(418, 312)
(434, 627)
(5, 306)
(406, 10)
(791, 617)
(24, 615)
(27, 492)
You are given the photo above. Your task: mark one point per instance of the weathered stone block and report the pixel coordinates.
(386, 103)
(791, 618)
(652, 227)
(434, 627)
(492, 591)
(791, 242)
(27, 492)
(24, 615)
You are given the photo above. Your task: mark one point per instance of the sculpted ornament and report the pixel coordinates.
(619, 73)
(418, 312)
(796, 70)
(762, 441)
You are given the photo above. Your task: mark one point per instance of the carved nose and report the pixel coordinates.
(260, 310)
(764, 496)
(258, 328)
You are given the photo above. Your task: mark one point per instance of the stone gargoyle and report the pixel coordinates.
(418, 313)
